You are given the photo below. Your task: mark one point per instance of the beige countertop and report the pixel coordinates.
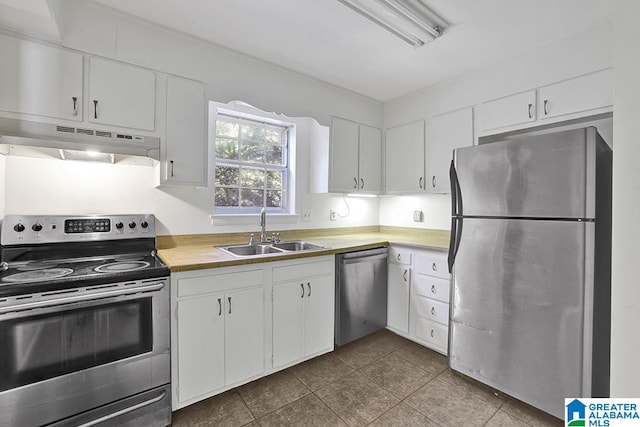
(194, 252)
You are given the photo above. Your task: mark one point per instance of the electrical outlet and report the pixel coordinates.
(306, 215)
(417, 216)
(332, 214)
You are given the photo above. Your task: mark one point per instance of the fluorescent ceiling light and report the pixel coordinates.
(409, 20)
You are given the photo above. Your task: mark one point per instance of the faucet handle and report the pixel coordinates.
(275, 237)
(251, 240)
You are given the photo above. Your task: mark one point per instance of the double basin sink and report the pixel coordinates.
(266, 248)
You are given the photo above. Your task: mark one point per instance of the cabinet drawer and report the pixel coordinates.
(433, 264)
(432, 287)
(302, 271)
(399, 256)
(433, 333)
(218, 282)
(434, 310)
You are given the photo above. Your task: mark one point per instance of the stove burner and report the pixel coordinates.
(34, 265)
(121, 267)
(37, 275)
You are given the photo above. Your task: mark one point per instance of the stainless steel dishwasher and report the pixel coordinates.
(361, 294)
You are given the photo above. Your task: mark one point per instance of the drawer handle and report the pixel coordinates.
(219, 306)
(420, 182)
(309, 286)
(433, 181)
(404, 275)
(432, 333)
(355, 183)
(434, 267)
(433, 289)
(302, 287)
(75, 105)
(95, 108)
(229, 298)
(398, 257)
(530, 115)
(433, 311)
(546, 111)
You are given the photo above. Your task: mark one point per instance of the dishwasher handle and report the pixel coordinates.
(363, 259)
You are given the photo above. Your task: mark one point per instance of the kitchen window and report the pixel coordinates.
(251, 164)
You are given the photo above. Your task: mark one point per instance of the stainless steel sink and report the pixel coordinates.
(258, 249)
(296, 245)
(250, 250)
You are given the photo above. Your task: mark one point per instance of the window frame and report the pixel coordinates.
(288, 198)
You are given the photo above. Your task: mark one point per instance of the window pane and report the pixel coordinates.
(226, 175)
(226, 197)
(253, 178)
(251, 198)
(252, 152)
(274, 199)
(274, 179)
(273, 155)
(225, 128)
(252, 132)
(226, 148)
(273, 135)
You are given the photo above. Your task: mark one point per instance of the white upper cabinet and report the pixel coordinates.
(404, 156)
(445, 133)
(508, 111)
(121, 95)
(184, 150)
(585, 93)
(40, 80)
(356, 152)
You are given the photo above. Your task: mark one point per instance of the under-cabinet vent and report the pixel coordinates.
(66, 129)
(85, 131)
(103, 133)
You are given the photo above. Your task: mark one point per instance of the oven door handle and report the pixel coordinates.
(124, 411)
(91, 296)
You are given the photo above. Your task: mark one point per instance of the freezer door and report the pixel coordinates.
(518, 308)
(546, 176)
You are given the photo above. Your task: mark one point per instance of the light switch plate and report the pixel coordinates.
(306, 215)
(417, 216)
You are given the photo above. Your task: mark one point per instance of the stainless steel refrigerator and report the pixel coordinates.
(530, 255)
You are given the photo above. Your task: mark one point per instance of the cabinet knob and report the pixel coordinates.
(362, 183)
(309, 286)
(302, 289)
(432, 333)
(75, 105)
(398, 257)
(355, 183)
(433, 311)
(404, 275)
(433, 289)
(434, 267)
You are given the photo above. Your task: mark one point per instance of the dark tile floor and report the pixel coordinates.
(380, 380)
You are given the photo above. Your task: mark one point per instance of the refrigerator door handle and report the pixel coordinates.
(456, 194)
(454, 242)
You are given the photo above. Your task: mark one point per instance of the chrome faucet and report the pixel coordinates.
(263, 224)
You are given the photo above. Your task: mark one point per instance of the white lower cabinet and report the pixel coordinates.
(218, 331)
(303, 311)
(227, 331)
(418, 302)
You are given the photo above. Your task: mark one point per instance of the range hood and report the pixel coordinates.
(48, 135)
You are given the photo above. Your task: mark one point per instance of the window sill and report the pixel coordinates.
(241, 219)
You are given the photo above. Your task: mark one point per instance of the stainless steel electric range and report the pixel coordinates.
(84, 322)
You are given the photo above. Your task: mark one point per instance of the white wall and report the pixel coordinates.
(53, 186)
(580, 54)
(2, 185)
(625, 307)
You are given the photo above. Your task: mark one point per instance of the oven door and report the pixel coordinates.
(70, 352)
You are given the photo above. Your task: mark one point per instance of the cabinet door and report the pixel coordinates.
(200, 346)
(583, 93)
(288, 322)
(40, 80)
(121, 95)
(370, 160)
(244, 335)
(184, 158)
(319, 311)
(508, 111)
(404, 156)
(344, 156)
(398, 297)
(445, 133)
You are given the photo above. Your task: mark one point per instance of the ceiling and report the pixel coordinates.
(330, 42)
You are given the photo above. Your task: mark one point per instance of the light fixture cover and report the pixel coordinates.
(410, 20)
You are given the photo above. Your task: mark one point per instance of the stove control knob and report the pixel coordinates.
(132, 225)
(36, 227)
(18, 228)
(144, 224)
(119, 225)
